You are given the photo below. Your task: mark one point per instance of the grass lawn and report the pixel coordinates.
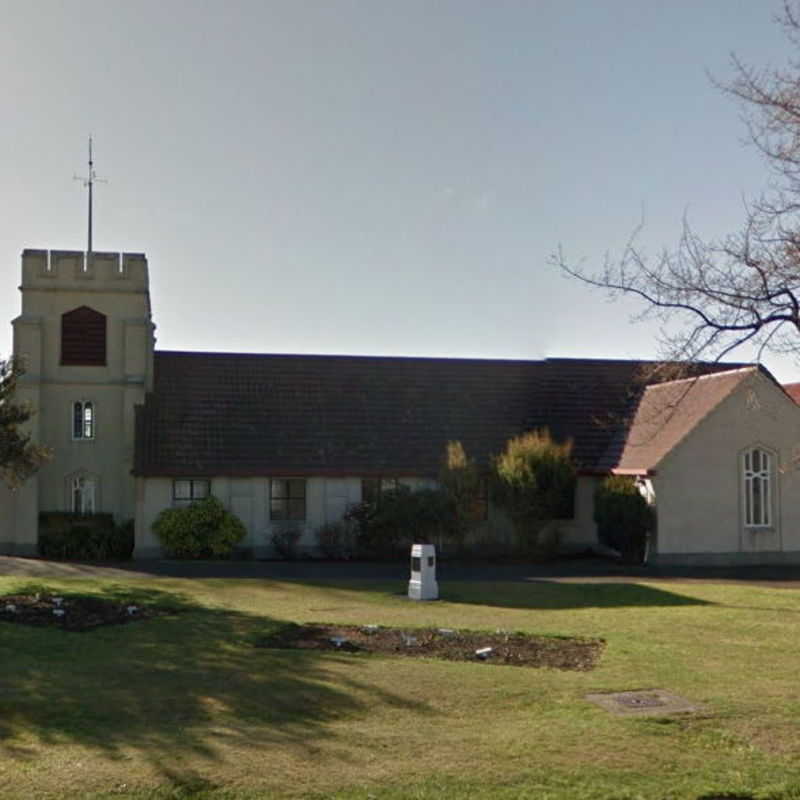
(185, 705)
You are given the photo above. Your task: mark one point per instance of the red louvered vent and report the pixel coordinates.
(83, 338)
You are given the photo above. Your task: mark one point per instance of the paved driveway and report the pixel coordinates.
(578, 570)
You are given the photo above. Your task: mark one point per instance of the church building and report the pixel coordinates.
(297, 439)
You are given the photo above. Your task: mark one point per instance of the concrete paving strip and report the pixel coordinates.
(644, 702)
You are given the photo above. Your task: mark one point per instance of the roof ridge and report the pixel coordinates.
(359, 356)
(696, 378)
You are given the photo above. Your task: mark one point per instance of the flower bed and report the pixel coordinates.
(70, 613)
(500, 647)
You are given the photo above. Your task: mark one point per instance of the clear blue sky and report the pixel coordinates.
(376, 177)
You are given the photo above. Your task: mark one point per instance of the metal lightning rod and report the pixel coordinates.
(89, 182)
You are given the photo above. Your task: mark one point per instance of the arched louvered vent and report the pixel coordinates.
(83, 338)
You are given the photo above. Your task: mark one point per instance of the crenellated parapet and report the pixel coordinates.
(72, 269)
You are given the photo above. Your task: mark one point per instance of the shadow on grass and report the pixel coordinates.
(543, 594)
(175, 688)
(726, 796)
(535, 593)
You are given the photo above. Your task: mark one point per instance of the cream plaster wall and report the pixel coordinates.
(580, 533)
(115, 285)
(326, 501)
(152, 496)
(698, 486)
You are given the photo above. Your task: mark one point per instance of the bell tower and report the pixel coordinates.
(86, 339)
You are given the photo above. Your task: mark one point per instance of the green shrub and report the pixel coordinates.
(359, 516)
(534, 481)
(388, 529)
(203, 529)
(285, 542)
(336, 540)
(433, 516)
(461, 481)
(84, 537)
(623, 516)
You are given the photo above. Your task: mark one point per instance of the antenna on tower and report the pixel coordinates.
(89, 182)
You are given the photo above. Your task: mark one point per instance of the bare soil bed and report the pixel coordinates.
(500, 647)
(79, 613)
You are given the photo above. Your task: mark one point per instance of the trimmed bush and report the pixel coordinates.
(624, 517)
(203, 529)
(84, 537)
(359, 518)
(534, 482)
(337, 540)
(285, 542)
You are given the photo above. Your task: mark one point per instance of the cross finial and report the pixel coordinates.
(89, 182)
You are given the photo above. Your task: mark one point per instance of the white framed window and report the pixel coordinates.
(287, 499)
(83, 494)
(757, 487)
(187, 490)
(84, 423)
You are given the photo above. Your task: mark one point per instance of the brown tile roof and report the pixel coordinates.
(593, 402)
(218, 413)
(793, 390)
(241, 414)
(667, 412)
(590, 401)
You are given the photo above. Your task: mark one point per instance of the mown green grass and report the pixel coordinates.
(185, 706)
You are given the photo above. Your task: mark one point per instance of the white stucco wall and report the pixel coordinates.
(152, 496)
(580, 533)
(19, 516)
(698, 486)
(326, 501)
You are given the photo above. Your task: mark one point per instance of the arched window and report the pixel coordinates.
(757, 486)
(83, 494)
(83, 338)
(83, 420)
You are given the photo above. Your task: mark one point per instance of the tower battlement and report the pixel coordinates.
(72, 269)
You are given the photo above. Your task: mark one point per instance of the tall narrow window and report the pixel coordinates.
(83, 420)
(83, 494)
(287, 499)
(757, 488)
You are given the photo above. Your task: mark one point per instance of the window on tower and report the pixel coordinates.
(83, 494)
(83, 420)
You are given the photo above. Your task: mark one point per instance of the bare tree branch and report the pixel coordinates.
(744, 289)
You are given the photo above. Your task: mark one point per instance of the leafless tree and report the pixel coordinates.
(745, 288)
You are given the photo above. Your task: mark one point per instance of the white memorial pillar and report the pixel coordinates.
(423, 585)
